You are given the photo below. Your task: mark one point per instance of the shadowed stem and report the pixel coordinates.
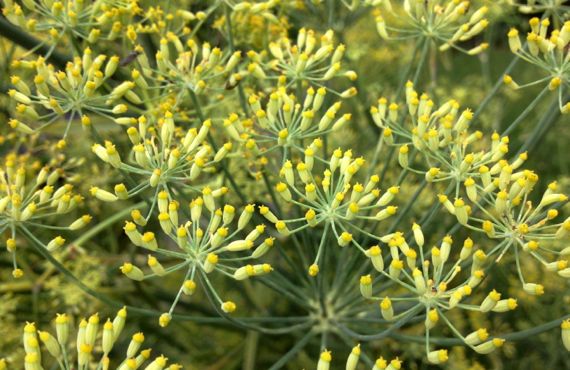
(27, 41)
(541, 128)
(528, 334)
(527, 111)
(301, 343)
(495, 89)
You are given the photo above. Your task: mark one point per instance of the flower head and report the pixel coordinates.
(309, 58)
(286, 120)
(94, 341)
(209, 241)
(548, 52)
(333, 200)
(30, 197)
(452, 153)
(437, 283)
(71, 93)
(445, 23)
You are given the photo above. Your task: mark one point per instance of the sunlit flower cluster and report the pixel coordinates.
(163, 157)
(334, 200)
(509, 216)
(436, 284)
(92, 345)
(306, 59)
(445, 23)
(441, 135)
(71, 94)
(285, 122)
(73, 19)
(205, 243)
(186, 67)
(66, 22)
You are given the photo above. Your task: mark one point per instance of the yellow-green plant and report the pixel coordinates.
(255, 182)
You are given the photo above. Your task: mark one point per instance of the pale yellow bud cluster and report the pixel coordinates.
(212, 239)
(30, 195)
(334, 200)
(441, 135)
(308, 58)
(74, 91)
(436, 284)
(455, 22)
(58, 19)
(547, 51)
(190, 66)
(511, 216)
(162, 153)
(93, 337)
(288, 119)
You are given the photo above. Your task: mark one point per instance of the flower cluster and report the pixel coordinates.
(547, 52)
(287, 123)
(442, 22)
(442, 137)
(30, 197)
(205, 243)
(71, 19)
(88, 84)
(82, 88)
(434, 286)
(91, 341)
(509, 216)
(166, 157)
(65, 22)
(303, 60)
(184, 67)
(335, 201)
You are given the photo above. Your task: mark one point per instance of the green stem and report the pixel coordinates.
(423, 57)
(251, 343)
(20, 37)
(301, 343)
(541, 128)
(528, 334)
(527, 111)
(496, 88)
